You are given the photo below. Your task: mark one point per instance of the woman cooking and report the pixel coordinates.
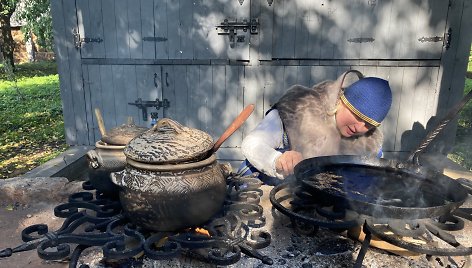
(319, 121)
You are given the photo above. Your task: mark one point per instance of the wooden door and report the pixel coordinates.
(161, 29)
(114, 88)
(367, 29)
(116, 29)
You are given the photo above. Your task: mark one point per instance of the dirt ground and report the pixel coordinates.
(13, 219)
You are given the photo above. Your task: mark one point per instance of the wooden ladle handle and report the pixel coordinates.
(101, 124)
(234, 126)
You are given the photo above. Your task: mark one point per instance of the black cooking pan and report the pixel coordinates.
(384, 188)
(379, 187)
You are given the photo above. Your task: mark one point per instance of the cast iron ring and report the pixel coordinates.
(276, 202)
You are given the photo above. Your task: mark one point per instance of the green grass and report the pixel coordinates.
(29, 70)
(31, 123)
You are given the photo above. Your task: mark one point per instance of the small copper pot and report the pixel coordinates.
(108, 157)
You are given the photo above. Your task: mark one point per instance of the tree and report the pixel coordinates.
(7, 45)
(37, 17)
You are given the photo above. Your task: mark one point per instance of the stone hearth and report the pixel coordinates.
(22, 200)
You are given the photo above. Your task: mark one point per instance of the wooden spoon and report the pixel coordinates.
(237, 123)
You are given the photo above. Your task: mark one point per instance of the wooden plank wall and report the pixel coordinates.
(342, 29)
(70, 70)
(209, 97)
(155, 29)
(89, 18)
(146, 15)
(153, 49)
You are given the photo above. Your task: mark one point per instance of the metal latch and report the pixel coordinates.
(268, 2)
(447, 38)
(78, 41)
(144, 104)
(230, 28)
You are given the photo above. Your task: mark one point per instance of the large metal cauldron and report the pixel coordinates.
(169, 182)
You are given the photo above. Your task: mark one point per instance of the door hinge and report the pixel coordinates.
(231, 28)
(446, 39)
(154, 38)
(79, 41)
(361, 40)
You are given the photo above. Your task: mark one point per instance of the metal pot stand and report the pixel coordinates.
(436, 233)
(96, 220)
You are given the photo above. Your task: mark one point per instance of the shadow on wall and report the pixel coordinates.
(419, 133)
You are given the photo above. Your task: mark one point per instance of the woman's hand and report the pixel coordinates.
(285, 163)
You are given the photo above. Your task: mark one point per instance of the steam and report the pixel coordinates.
(397, 193)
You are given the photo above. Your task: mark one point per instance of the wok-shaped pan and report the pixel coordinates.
(379, 187)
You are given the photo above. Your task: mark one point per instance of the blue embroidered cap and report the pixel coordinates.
(369, 98)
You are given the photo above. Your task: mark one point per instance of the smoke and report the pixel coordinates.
(326, 140)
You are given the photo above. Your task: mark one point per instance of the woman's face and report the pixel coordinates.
(350, 124)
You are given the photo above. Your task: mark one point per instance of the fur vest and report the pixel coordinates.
(312, 131)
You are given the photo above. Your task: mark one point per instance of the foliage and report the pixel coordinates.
(37, 16)
(462, 151)
(465, 117)
(31, 130)
(469, 65)
(7, 7)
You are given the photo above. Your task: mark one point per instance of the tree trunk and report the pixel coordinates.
(6, 40)
(30, 48)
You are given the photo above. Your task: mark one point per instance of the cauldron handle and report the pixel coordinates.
(177, 127)
(117, 178)
(94, 159)
(413, 157)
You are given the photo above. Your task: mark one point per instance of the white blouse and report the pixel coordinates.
(259, 146)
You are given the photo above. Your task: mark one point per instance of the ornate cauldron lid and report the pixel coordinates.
(121, 135)
(169, 142)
